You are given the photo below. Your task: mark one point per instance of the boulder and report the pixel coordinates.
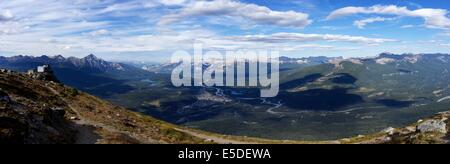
(389, 131)
(438, 126)
(445, 114)
(411, 129)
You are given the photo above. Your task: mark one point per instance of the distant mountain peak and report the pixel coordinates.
(306, 60)
(59, 57)
(91, 57)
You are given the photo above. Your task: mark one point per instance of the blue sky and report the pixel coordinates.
(152, 30)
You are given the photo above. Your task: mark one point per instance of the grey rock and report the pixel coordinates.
(389, 131)
(411, 128)
(447, 113)
(432, 126)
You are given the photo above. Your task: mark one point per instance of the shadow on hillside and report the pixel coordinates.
(344, 78)
(395, 103)
(301, 81)
(320, 99)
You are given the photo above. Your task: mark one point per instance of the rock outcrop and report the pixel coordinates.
(44, 72)
(432, 126)
(26, 123)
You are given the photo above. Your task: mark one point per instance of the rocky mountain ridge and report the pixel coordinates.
(90, 62)
(33, 111)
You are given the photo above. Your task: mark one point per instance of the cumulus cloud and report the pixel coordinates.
(300, 37)
(230, 8)
(362, 23)
(434, 18)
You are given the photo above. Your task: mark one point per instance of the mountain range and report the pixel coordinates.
(36, 111)
(320, 98)
(82, 73)
(90, 62)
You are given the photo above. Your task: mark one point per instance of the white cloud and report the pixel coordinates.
(300, 37)
(434, 18)
(230, 8)
(99, 33)
(56, 27)
(10, 28)
(407, 26)
(172, 2)
(429, 41)
(445, 44)
(329, 27)
(79, 27)
(310, 47)
(362, 23)
(5, 15)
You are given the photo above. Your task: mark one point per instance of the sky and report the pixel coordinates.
(152, 30)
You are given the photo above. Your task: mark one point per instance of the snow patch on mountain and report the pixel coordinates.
(384, 61)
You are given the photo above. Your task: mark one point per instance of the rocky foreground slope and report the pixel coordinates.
(432, 130)
(34, 111)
